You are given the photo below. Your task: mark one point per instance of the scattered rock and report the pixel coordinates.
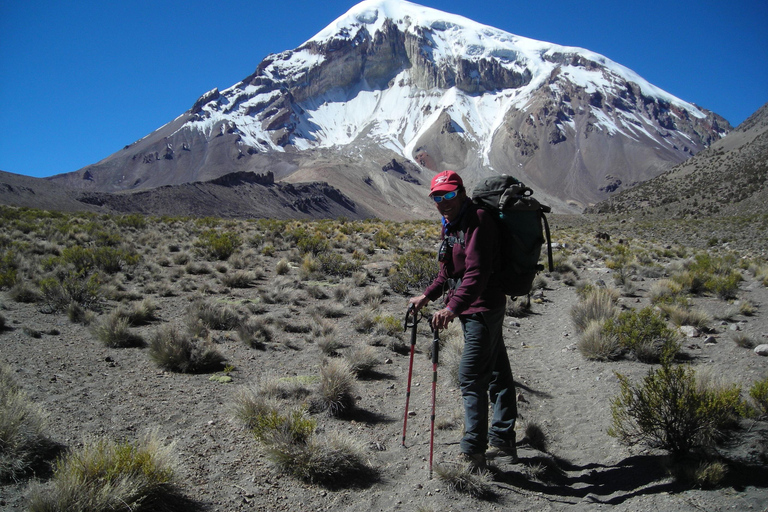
(689, 331)
(761, 350)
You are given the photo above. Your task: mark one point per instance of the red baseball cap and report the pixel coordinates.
(445, 181)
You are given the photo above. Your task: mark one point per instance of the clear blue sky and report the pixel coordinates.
(80, 80)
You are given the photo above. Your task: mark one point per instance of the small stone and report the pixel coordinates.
(689, 331)
(761, 350)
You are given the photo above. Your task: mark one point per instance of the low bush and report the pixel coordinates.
(414, 269)
(59, 291)
(759, 394)
(213, 244)
(645, 333)
(671, 411)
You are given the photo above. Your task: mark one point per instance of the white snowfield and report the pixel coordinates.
(395, 117)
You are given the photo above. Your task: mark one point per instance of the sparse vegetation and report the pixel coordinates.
(325, 313)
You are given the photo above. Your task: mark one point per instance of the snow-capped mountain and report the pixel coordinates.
(391, 92)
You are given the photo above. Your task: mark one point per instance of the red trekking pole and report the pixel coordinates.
(411, 312)
(435, 350)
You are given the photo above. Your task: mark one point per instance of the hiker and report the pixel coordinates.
(468, 254)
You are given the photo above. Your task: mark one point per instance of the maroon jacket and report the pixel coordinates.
(473, 262)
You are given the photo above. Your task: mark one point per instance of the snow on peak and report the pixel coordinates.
(457, 36)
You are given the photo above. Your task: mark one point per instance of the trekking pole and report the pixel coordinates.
(410, 312)
(435, 350)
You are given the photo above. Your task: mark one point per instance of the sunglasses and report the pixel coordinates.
(445, 197)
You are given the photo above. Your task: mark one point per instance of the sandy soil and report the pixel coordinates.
(88, 389)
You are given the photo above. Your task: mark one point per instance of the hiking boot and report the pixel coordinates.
(508, 449)
(473, 462)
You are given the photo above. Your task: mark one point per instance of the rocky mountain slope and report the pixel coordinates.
(235, 195)
(728, 179)
(394, 81)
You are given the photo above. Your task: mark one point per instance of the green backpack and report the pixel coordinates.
(520, 218)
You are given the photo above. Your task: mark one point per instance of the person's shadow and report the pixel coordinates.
(634, 476)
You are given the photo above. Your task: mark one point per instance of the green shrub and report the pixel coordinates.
(708, 273)
(8, 268)
(59, 291)
(218, 245)
(106, 475)
(132, 220)
(334, 264)
(415, 269)
(645, 333)
(759, 394)
(669, 410)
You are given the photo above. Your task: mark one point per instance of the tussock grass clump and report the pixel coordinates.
(329, 344)
(534, 435)
(335, 392)
(179, 351)
(670, 410)
(459, 480)
(215, 316)
(281, 291)
(597, 303)
(697, 472)
(22, 427)
(519, 307)
(682, 315)
(107, 475)
(261, 415)
(334, 461)
(743, 340)
(24, 293)
(362, 360)
(238, 279)
(596, 344)
(143, 313)
(114, 331)
(255, 332)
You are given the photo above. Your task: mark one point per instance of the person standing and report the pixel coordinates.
(468, 255)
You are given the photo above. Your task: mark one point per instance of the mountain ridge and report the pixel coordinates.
(392, 80)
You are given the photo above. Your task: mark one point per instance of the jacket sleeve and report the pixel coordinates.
(479, 252)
